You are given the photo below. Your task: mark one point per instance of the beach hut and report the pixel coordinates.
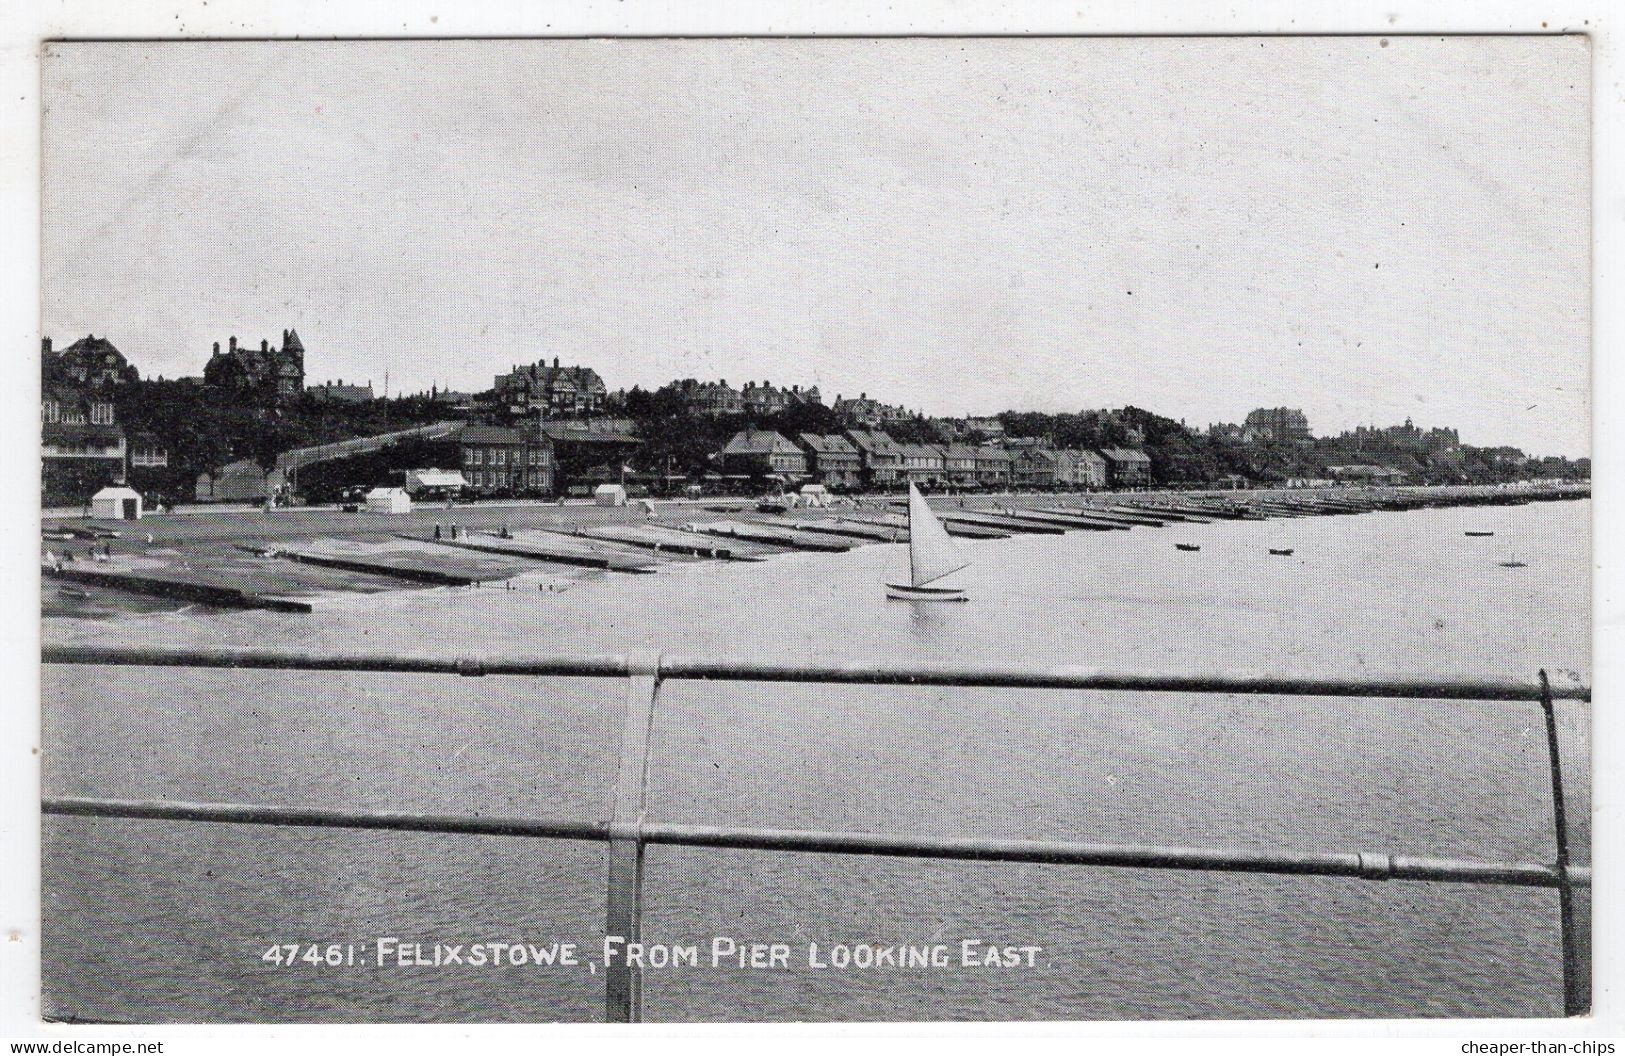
(388, 500)
(610, 495)
(116, 503)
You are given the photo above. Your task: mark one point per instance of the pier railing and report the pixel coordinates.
(628, 830)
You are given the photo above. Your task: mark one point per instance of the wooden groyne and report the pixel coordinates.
(530, 551)
(382, 565)
(659, 541)
(864, 532)
(177, 588)
(959, 528)
(785, 537)
(1001, 522)
(1075, 521)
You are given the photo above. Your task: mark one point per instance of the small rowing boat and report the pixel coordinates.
(1285, 551)
(1187, 547)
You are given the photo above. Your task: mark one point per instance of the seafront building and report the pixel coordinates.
(1034, 469)
(959, 464)
(499, 458)
(712, 398)
(832, 460)
(278, 373)
(540, 389)
(1126, 467)
(338, 392)
(993, 467)
(868, 413)
(923, 464)
(880, 457)
(1089, 469)
(82, 447)
(1280, 424)
(768, 399)
(763, 453)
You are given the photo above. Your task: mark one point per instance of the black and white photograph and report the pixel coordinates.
(775, 529)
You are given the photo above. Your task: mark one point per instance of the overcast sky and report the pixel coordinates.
(1365, 229)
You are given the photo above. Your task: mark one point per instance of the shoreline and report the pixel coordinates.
(288, 558)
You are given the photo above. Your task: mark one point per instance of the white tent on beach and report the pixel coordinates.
(447, 480)
(116, 503)
(389, 500)
(610, 495)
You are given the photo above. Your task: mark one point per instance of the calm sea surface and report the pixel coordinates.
(167, 921)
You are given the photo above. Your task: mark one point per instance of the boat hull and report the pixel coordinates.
(903, 592)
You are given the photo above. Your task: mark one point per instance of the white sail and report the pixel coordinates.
(932, 553)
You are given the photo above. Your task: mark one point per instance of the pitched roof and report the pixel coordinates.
(487, 434)
(1124, 454)
(759, 442)
(828, 443)
(873, 440)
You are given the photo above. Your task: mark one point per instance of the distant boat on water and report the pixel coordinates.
(1284, 551)
(932, 554)
(1480, 535)
(1188, 547)
(1514, 563)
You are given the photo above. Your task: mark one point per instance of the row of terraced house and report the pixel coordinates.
(870, 458)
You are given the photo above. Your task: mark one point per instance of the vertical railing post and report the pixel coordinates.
(623, 982)
(1576, 1002)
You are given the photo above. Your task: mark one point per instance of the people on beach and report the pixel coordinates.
(437, 532)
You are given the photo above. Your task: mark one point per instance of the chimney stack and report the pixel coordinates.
(217, 348)
(45, 346)
(555, 362)
(284, 337)
(265, 346)
(234, 342)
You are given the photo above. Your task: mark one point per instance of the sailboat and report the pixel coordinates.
(932, 554)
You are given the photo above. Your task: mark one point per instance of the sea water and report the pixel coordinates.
(165, 921)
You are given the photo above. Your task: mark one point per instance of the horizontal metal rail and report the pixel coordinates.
(1357, 864)
(710, 669)
(629, 831)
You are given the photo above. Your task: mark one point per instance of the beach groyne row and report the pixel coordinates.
(319, 555)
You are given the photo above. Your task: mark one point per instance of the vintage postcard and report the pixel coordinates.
(769, 529)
